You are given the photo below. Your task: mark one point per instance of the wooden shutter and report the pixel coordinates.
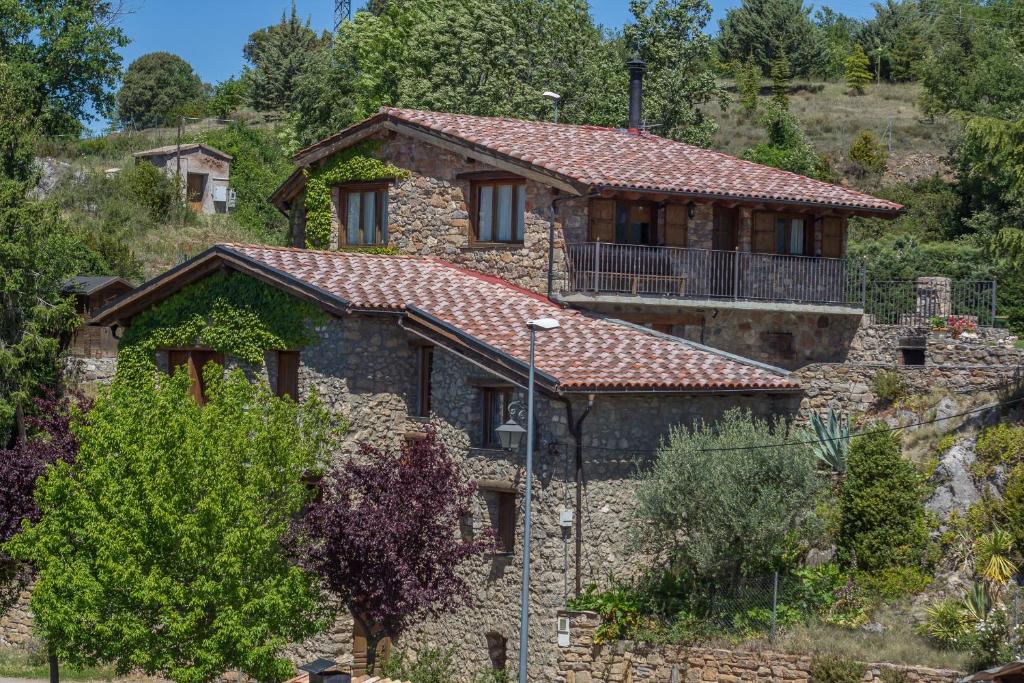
(359, 648)
(602, 220)
(764, 233)
(832, 237)
(507, 521)
(195, 361)
(288, 374)
(675, 225)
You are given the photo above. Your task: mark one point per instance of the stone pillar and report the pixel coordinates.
(745, 229)
(934, 296)
(701, 226)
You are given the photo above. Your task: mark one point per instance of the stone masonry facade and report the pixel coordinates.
(583, 661)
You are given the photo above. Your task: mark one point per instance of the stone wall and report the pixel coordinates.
(16, 623)
(624, 662)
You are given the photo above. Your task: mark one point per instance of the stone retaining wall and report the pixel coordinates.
(584, 662)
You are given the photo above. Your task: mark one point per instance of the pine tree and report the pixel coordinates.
(857, 75)
(780, 82)
(280, 54)
(748, 85)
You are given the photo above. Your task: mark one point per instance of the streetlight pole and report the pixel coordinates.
(524, 598)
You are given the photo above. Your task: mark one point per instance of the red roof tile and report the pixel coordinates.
(609, 158)
(586, 352)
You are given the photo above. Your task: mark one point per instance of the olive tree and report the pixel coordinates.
(727, 499)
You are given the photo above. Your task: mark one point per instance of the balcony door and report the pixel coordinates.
(634, 223)
(723, 234)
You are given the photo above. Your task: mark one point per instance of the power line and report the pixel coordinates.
(808, 442)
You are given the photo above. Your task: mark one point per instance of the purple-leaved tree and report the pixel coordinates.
(49, 439)
(384, 537)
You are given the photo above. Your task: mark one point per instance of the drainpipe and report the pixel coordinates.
(551, 234)
(576, 430)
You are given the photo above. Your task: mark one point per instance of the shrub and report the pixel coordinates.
(889, 386)
(1000, 445)
(945, 443)
(893, 582)
(431, 665)
(946, 623)
(618, 608)
(697, 508)
(990, 642)
(151, 187)
(882, 522)
(832, 668)
(868, 154)
(1012, 508)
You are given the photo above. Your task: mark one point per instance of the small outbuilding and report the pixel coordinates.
(93, 292)
(1007, 673)
(205, 174)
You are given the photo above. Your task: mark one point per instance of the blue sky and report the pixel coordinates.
(209, 34)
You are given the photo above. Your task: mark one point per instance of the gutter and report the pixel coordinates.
(576, 430)
(551, 236)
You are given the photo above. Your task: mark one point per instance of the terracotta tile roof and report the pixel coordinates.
(187, 147)
(587, 352)
(610, 158)
(303, 677)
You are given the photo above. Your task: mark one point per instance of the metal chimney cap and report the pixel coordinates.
(637, 64)
(319, 666)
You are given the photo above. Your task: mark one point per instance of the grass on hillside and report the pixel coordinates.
(18, 663)
(832, 119)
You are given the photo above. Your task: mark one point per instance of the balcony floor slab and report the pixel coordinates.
(603, 302)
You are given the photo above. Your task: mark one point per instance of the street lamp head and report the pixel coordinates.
(510, 435)
(543, 324)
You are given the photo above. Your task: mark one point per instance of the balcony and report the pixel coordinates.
(599, 268)
(614, 273)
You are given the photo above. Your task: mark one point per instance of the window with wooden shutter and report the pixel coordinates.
(676, 225)
(495, 413)
(195, 360)
(602, 220)
(500, 498)
(764, 233)
(288, 374)
(832, 237)
(499, 210)
(423, 387)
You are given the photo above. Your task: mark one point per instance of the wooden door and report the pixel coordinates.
(764, 233)
(359, 650)
(602, 220)
(832, 237)
(196, 187)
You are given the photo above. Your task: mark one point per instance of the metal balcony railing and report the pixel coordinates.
(602, 267)
(916, 302)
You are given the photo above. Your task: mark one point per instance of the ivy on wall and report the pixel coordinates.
(348, 166)
(233, 314)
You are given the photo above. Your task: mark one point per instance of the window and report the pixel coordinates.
(195, 360)
(499, 210)
(364, 215)
(496, 401)
(794, 235)
(500, 499)
(423, 388)
(287, 374)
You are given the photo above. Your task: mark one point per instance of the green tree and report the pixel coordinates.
(158, 88)
(259, 166)
(882, 522)
(696, 506)
(780, 82)
(787, 147)
(160, 548)
(895, 38)
(38, 251)
(768, 29)
(836, 33)
(868, 154)
(492, 58)
(748, 85)
(856, 73)
(228, 96)
(67, 51)
(279, 54)
(680, 82)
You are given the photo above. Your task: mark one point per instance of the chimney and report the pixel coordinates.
(325, 671)
(636, 67)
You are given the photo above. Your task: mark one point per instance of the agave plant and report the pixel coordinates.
(833, 440)
(993, 551)
(947, 622)
(977, 603)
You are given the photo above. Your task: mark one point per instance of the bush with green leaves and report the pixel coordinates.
(1002, 444)
(787, 147)
(696, 506)
(618, 607)
(882, 520)
(834, 668)
(868, 154)
(160, 549)
(889, 386)
(428, 665)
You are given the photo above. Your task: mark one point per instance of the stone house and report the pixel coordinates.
(413, 340)
(203, 171)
